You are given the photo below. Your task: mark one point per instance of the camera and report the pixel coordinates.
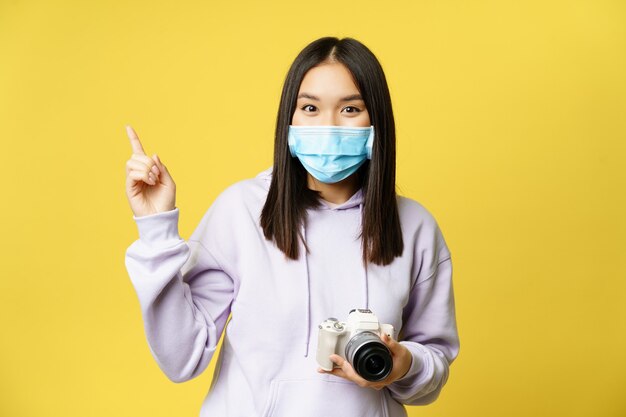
(358, 341)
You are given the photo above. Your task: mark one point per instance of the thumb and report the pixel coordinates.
(392, 344)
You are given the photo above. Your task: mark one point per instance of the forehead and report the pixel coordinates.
(328, 80)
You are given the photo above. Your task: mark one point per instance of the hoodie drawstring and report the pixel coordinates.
(367, 293)
(308, 285)
(308, 295)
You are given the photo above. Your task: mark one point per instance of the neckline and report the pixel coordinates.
(354, 201)
(331, 205)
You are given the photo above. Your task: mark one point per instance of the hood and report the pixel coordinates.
(352, 203)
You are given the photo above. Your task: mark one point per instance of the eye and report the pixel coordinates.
(355, 109)
(306, 106)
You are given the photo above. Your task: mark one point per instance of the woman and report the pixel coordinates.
(320, 233)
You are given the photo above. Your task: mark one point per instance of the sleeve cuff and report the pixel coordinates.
(417, 363)
(158, 228)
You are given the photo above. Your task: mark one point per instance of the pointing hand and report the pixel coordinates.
(149, 187)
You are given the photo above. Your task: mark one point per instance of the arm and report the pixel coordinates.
(184, 293)
(429, 333)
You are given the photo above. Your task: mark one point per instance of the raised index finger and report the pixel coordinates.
(134, 141)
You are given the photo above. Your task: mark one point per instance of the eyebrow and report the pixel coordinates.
(346, 98)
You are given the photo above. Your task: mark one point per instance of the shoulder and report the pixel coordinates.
(249, 192)
(414, 214)
(421, 228)
(238, 200)
(232, 213)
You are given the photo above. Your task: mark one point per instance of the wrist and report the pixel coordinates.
(407, 364)
(159, 229)
(416, 363)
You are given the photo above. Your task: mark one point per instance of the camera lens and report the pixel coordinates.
(374, 364)
(369, 356)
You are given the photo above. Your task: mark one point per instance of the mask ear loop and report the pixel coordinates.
(291, 140)
(370, 142)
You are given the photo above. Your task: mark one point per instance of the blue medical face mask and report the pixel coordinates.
(331, 153)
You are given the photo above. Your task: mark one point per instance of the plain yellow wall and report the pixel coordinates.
(511, 120)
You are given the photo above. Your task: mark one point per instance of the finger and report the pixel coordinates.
(148, 162)
(152, 179)
(356, 378)
(392, 344)
(141, 176)
(165, 177)
(343, 374)
(347, 370)
(162, 167)
(134, 141)
(339, 372)
(133, 164)
(157, 163)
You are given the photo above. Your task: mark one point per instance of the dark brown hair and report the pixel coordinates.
(289, 197)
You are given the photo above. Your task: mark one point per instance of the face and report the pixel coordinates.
(328, 96)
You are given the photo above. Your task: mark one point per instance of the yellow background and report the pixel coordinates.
(511, 120)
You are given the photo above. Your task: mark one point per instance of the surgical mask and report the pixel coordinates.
(331, 153)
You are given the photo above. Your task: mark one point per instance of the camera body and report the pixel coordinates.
(358, 341)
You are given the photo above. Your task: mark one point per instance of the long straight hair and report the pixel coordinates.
(289, 196)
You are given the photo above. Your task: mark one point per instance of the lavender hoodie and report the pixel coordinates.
(267, 367)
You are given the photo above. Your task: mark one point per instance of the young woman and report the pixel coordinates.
(319, 234)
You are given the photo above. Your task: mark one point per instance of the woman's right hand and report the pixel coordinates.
(149, 187)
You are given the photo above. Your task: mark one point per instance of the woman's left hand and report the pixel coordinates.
(402, 360)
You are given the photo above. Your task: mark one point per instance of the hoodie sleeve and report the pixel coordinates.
(184, 293)
(429, 331)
